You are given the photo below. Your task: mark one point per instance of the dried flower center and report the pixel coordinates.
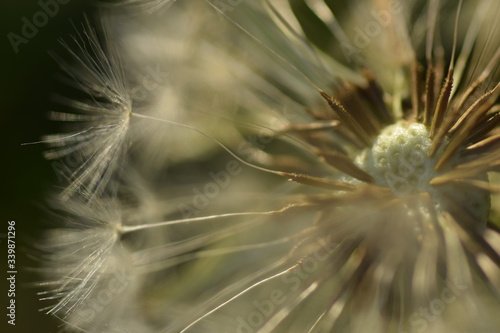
(398, 158)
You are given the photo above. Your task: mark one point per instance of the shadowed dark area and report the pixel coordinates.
(28, 79)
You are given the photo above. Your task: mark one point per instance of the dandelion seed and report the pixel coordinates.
(101, 121)
(88, 268)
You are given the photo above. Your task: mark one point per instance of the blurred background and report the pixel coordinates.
(28, 78)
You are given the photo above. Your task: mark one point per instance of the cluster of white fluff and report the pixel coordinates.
(278, 166)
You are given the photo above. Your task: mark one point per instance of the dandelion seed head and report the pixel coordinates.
(392, 200)
(405, 141)
(88, 265)
(99, 118)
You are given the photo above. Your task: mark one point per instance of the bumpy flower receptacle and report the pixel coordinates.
(399, 160)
